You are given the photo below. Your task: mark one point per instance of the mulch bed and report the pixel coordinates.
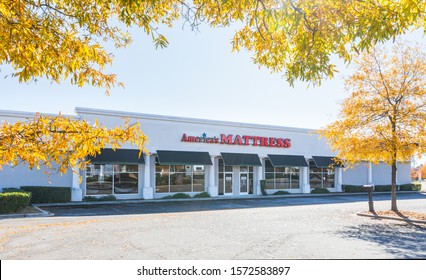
(402, 214)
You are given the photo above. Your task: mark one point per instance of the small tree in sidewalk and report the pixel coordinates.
(384, 118)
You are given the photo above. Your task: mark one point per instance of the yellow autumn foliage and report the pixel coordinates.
(384, 118)
(61, 39)
(60, 142)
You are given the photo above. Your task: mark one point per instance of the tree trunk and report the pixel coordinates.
(370, 199)
(394, 157)
(394, 207)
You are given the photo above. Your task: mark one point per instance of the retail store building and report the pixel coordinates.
(196, 155)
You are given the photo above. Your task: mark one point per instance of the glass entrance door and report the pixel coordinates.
(244, 185)
(228, 184)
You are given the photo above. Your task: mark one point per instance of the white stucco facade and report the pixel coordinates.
(215, 138)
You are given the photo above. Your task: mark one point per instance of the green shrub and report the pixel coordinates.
(320, 190)
(100, 198)
(382, 188)
(11, 202)
(353, 188)
(177, 196)
(202, 195)
(90, 198)
(411, 187)
(180, 195)
(280, 193)
(263, 187)
(417, 186)
(109, 197)
(41, 194)
(8, 190)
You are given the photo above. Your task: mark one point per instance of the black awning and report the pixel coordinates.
(287, 160)
(108, 156)
(324, 162)
(241, 159)
(184, 158)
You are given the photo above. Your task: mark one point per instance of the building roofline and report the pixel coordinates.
(113, 113)
(26, 114)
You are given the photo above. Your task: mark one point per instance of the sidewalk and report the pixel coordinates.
(123, 201)
(41, 213)
(44, 213)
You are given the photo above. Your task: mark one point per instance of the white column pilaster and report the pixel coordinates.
(306, 188)
(370, 173)
(260, 176)
(212, 187)
(148, 188)
(76, 191)
(339, 171)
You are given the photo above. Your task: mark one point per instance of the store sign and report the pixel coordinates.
(245, 140)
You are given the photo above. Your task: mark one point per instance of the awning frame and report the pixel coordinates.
(325, 162)
(167, 157)
(241, 159)
(117, 156)
(287, 160)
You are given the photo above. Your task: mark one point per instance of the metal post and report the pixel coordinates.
(369, 189)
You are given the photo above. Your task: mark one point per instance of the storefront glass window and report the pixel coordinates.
(105, 179)
(269, 178)
(224, 186)
(321, 177)
(329, 179)
(280, 178)
(251, 181)
(221, 182)
(180, 182)
(295, 178)
(179, 178)
(162, 182)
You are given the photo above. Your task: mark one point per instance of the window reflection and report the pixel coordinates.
(281, 178)
(179, 178)
(105, 179)
(321, 177)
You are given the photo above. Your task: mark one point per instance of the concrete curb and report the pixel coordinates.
(392, 218)
(42, 213)
(134, 201)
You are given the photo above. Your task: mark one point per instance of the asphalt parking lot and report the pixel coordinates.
(177, 206)
(279, 228)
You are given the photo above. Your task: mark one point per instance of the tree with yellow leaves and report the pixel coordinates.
(64, 40)
(423, 171)
(60, 39)
(384, 118)
(64, 141)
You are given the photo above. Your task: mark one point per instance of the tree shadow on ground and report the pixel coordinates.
(402, 240)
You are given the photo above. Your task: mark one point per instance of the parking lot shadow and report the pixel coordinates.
(404, 241)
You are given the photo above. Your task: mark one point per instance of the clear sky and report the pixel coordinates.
(197, 76)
